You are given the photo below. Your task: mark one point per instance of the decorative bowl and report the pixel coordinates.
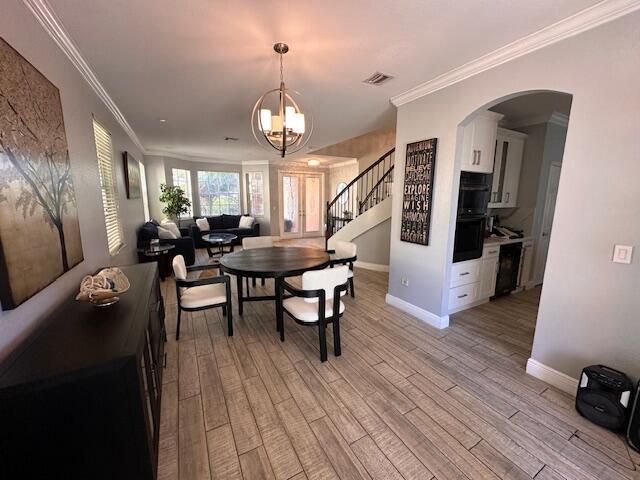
(104, 288)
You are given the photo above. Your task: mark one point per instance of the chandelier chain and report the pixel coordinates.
(281, 70)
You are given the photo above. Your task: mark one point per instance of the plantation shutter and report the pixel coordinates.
(109, 187)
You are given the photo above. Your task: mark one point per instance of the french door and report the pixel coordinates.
(301, 204)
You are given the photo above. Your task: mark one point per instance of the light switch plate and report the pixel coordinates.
(622, 253)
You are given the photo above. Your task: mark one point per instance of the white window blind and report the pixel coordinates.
(109, 187)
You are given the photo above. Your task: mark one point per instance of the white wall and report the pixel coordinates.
(21, 30)
(589, 306)
(263, 220)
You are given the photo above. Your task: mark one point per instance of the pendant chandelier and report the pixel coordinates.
(277, 120)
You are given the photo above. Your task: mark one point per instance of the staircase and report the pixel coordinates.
(361, 195)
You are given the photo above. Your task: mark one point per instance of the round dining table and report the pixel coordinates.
(272, 262)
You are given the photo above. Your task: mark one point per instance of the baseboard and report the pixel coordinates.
(560, 380)
(424, 315)
(371, 266)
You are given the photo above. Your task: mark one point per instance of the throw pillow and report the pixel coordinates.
(173, 228)
(246, 222)
(203, 224)
(166, 234)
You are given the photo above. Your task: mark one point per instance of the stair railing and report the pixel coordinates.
(367, 190)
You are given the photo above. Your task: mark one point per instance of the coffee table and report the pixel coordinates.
(219, 241)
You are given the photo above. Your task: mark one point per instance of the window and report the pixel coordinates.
(219, 193)
(109, 188)
(255, 194)
(182, 179)
(143, 191)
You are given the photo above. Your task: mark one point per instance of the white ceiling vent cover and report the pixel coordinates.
(378, 79)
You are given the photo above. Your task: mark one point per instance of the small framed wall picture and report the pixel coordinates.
(131, 175)
(418, 191)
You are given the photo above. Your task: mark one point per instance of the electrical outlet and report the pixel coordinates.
(404, 281)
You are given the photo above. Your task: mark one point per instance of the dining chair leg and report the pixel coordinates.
(247, 282)
(224, 311)
(337, 351)
(351, 289)
(178, 324)
(253, 282)
(239, 287)
(229, 310)
(262, 281)
(322, 334)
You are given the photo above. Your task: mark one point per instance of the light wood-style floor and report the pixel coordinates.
(403, 401)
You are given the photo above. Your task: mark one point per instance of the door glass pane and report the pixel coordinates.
(291, 203)
(312, 204)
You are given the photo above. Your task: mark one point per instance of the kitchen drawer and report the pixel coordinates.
(490, 251)
(463, 295)
(464, 273)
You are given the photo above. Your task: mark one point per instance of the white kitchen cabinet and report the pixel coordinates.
(506, 168)
(526, 264)
(463, 273)
(479, 141)
(488, 271)
(488, 277)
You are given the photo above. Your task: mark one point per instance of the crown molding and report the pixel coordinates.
(53, 26)
(598, 14)
(353, 161)
(192, 158)
(255, 162)
(560, 119)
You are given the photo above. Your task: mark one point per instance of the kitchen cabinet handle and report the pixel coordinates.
(508, 195)
(464, 273)
(462, 296)
(479, 156)
(475, 152)
(493, 251)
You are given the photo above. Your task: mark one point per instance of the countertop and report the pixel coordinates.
(504, 241)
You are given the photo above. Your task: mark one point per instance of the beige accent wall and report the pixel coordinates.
(366, 148)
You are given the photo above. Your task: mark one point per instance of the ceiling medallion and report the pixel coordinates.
(277, 120)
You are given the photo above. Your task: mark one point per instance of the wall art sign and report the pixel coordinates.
(39, 229)
(418, 191)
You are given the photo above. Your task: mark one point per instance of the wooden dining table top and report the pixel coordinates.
(271, 262)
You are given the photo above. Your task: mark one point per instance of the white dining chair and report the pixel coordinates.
(345, 253)
(318, 303)
(249, 243)
(202, 293)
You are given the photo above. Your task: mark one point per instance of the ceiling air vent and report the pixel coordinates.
(378, 79)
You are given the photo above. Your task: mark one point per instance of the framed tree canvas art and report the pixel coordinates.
(39, 229)
(131, 175)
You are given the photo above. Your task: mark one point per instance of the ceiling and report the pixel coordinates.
(201, 64)
(533, 106)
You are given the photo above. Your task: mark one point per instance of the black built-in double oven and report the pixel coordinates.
(473, 199)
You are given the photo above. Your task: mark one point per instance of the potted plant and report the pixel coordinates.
(176, 202)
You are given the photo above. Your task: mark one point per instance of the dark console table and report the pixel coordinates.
(81, 398)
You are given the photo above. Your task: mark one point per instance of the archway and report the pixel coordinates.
(493, 274)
